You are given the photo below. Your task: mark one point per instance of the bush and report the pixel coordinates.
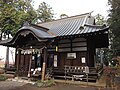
(2, 78)
(46, 83)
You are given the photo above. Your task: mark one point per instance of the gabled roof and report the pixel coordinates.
(72, 25)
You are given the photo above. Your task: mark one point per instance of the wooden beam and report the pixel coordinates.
(43, 72)
(44, 64)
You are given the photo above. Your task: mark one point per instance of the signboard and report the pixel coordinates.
(83, 60)
(55, 60)
(71, 55)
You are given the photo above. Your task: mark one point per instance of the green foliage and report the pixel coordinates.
(46, 83)
(2, 78)
(114, 23)
(99, 19)
(103, 54)
(45, 12)
(13, 13)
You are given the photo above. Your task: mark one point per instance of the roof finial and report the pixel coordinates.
(26, 23)
(90, 13)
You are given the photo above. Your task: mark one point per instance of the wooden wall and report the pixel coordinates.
(69, 45)
(79, 46)
(63, 60)
(23, 64)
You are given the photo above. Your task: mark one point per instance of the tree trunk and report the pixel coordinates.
(7, 58)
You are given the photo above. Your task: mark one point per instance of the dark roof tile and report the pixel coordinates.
(71, 25)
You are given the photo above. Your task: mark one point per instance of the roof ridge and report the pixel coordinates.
(98, 26)
(67, 18)
(44, 29)
(35, 25)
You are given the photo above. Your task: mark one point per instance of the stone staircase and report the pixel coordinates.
(10, 72)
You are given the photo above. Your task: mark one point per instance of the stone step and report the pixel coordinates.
(10, 72)
(8, 75)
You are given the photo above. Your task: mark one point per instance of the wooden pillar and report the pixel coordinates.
(71, 45)
(18, 59)
(90, 51)
(44, 64)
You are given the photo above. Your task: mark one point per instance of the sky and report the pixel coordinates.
(11, 54)
(76, 7)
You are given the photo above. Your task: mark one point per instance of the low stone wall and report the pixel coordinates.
(1, 71)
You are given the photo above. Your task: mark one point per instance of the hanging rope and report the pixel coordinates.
(28, 51)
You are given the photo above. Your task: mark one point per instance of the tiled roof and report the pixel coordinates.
(68, 26)
(72, 25)
(92, 29)
(38, 32)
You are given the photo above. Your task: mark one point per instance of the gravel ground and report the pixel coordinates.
(10, 85)
(14, 85)
(57, 87)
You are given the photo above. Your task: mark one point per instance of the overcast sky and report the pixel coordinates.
(76, 7)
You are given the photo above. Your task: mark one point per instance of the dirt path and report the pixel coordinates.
(57, 87)
(10, 85)
(13, 85)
